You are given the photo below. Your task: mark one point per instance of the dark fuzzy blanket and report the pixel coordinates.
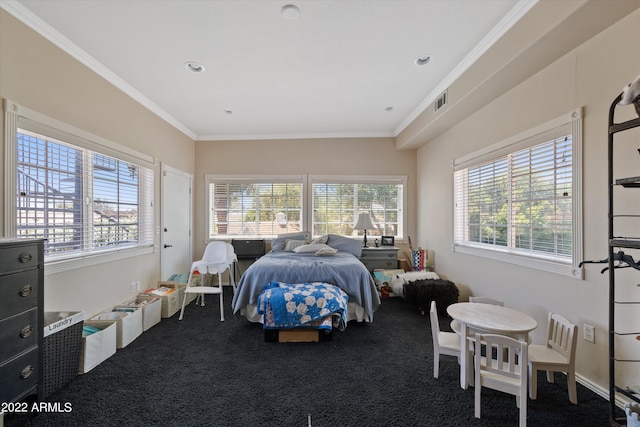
(422, 292)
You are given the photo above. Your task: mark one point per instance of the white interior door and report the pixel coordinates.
(175, 216)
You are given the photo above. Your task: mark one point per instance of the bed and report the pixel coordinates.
(285, 263)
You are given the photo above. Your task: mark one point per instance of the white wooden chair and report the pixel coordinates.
(508, 375)
(486, 300)
(217, 258)
(557, 355)
(447, 343)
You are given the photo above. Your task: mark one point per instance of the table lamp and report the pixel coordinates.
(364, 223)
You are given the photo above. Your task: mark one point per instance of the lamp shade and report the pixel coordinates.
(364, 222)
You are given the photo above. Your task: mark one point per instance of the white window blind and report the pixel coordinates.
(78, 200)
(265, 206)
(523, 199)
(89, 198)
(254, 206)
(337, 201)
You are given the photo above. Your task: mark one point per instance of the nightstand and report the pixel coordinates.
(383, 257)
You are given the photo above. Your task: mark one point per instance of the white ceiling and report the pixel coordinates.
(331, 72)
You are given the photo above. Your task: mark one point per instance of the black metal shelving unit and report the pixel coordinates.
(619, 243)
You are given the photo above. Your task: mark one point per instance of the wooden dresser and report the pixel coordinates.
(21, 318)
(383, 257)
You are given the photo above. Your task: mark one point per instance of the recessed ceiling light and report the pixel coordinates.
(388, 109)
(290, 11)
(194, 66)
(228, 111)
(423, 60)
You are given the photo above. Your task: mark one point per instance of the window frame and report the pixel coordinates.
(521, 141)
(247, 179)
(307, 186)
(19, 117)
(360, 179)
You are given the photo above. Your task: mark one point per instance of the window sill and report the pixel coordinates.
(87, 260)
(564, 269)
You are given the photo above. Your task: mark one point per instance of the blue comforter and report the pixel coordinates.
(342, 269)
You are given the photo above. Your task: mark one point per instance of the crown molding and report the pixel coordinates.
(334, 135)
(515, 14)
(51, 34)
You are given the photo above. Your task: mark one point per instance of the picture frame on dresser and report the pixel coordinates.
(387, 240)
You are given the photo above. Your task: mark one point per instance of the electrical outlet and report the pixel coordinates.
(589, 333)
(133, 287)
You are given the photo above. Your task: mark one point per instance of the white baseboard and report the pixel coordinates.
(601, 391)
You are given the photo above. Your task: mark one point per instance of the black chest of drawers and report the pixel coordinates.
(21, 318)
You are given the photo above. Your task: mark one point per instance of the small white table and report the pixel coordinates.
(487, 318)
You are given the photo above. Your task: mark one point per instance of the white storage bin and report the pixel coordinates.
(97, 346)
(151, 310)
(128, 324)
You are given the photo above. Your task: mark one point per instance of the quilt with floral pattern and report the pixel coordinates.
(303, 305)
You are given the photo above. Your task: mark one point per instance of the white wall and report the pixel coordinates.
(36, 74)
(591, 76)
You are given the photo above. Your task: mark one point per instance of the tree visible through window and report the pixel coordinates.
(254, 208)
(336, 207)
(265, 206)
(522, 201)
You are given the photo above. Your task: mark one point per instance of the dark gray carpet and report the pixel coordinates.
(199, 371)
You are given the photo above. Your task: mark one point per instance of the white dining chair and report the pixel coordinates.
(508, 375)
(557, 355)
(447, 343)
(215, 260)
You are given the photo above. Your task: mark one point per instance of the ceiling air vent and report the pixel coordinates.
(441, 101)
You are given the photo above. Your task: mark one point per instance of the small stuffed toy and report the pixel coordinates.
(631, 95)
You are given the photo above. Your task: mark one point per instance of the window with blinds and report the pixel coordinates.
(79, 200)
(266, 206)
(522, 199)
(336, 203)
(254, 207)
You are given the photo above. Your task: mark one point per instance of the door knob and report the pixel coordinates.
(168, 246)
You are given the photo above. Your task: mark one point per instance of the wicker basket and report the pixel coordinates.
(61, 349)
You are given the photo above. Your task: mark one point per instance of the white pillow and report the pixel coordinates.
(312, 247)
(327, 251)
(321, 239)
(292, 244)
(278, 243)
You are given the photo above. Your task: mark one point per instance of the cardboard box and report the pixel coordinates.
(168, 298)
(128, 324)
(180, 287)
(98, 346)
(151, 310)
(298, 335)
